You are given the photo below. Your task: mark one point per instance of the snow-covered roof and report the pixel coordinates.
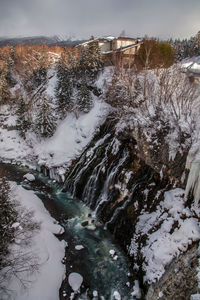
(87, 42)
(110, 38)
(192, 65)
(107, 39)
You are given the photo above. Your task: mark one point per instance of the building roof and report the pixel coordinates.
(108, 39)
(125, 38)
(128, 47)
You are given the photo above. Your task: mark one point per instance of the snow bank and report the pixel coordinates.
(166, 241)
(44, 284)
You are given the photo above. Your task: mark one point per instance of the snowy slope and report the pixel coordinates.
(45, 247)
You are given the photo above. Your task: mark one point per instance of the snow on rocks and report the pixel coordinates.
(195, 297)
(79, 247)
(112, 252)
(29, 177)
(116, 295)
(136, 290)
(95, 294)
(48, 250)
(15, 225)
(166, 241)
(75, 280)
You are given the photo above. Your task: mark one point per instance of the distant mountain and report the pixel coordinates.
(38, 40)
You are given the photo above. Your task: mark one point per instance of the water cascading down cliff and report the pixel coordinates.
(111, 178)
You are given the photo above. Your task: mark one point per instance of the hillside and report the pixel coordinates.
(125, 143)
(38, 40)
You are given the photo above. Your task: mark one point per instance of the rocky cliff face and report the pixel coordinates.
(156, 153)
(180, 279)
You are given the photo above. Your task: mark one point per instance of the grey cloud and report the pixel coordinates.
(83, 18)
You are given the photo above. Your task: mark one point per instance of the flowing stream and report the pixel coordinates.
(101, 271)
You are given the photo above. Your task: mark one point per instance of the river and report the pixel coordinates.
(101, 271)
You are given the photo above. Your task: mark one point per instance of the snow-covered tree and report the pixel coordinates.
(23, 122)
(137, 88)
(67, 80)
(4, 86)
(14, 263)
(84, 98)
(45, 119)
(186, 47)
(8, 216)
(64, 89)
(91, 61)
(39, 77)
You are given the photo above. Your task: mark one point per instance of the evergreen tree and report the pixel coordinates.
(39, 77)
(91, 61)
(187, 47)
(9, 63)
(84, 99)
(8, 216)
(4, 87)
(64, 89)
(23, 122)
(45, 120)
(137, 88)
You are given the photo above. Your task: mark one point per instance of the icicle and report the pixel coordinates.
(193, 182)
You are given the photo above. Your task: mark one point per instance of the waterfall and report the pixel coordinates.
(111, 175)
(77, 177)
(107, 177)
(125, 204)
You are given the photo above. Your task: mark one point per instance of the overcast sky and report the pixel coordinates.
(83, 18)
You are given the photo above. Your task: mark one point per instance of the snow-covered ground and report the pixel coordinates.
(48, 251)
